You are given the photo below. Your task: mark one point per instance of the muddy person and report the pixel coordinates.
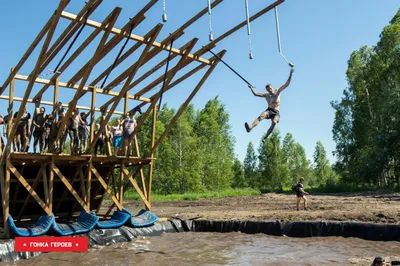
(39, 132)
(23, 131)
(74, 122)
(129, 126)
(273, 99)
(301, 194)
(99, 147)
(83, 131)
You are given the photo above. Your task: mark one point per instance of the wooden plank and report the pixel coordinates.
(75, 87)
(83, 188)
(7, 199)
(124, 90)
(121, 182)
(32, 47)
(45, 187)
(55, 98)
(141, 170)
(3, 201)
(92, 117)
(35, 183)
(151, 165)
(51, 187)
(74, 178)
(89, 186)
(138, 38)
(70, 188)
(78, 51)
(35, 71)
(29, 189)
(138, 190)
(104, 184)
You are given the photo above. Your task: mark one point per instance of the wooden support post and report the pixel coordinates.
(89, 185)
(141, 170)
(51, 185)
(151, 165)
(83, 188)
(3, 202)
(138, 190)
(70, 188)
(104, 184)
(29, 189)
(46, 187)
(92, 116)
(55, 98)
(121, 181)
(114, 182)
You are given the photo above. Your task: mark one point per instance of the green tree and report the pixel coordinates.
(322, 169)
(272, 165)
(250, 166)
(239, 180)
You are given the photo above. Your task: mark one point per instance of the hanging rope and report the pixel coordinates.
(165, 74)
(246, 3)
(164, 15)
(210, 36)
(220, 59)
(279, 37)
(75, 38)
(118, 56)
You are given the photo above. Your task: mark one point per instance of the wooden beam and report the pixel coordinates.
(138, 190)
(89, 186)
(92, 116)
(32, 47)
(151, 165)
(51, 186)
(35, 71)
(121, 182)
(141, 170)
(29, 189)
(104, 184)
(70, 188)
(138, 38)
(81, 48)
(75, 87)
(83, 187)
(46, 187)
(3, 201)
(124, 90)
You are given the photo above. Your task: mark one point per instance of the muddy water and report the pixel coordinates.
(226, 249)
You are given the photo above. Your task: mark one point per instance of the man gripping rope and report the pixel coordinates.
(274, 100)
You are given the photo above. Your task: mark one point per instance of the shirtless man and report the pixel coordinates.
(273, 98)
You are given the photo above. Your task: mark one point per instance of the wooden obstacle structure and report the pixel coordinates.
(62, 185)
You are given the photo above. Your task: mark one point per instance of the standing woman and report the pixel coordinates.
(117, 139)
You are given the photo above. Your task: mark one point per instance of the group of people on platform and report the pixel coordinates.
(44, 129)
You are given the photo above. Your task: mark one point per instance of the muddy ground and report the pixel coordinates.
(371, 207)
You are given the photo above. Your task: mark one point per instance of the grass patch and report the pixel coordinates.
(131, 194)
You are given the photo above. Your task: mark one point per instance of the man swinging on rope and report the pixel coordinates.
(273, 98)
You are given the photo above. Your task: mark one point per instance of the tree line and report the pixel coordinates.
(367, 121)
(198, 155)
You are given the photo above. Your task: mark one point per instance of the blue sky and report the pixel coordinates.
(317, 36)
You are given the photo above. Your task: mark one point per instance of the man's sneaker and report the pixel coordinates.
(247, 127)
